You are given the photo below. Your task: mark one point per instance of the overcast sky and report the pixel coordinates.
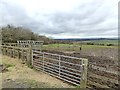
(63, 18)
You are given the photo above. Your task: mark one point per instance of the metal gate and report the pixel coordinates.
(66, 68)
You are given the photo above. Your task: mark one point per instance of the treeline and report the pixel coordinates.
(101, 44)
(10, 34)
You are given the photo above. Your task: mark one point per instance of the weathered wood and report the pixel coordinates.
(29, 56)
(14, 52)
(59, 65)
(22, 54)
(2, 50)
(43, 61)
(83, 81)
(27, 53)
(18, 54)
(10, 52)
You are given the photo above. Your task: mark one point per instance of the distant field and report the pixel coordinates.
(115, 42)
(76, 47)
(86, 50)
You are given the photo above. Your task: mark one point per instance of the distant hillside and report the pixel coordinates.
(87, 39)
(12, 34)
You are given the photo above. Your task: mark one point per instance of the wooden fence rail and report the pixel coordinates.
(16, 52)
(60, 66)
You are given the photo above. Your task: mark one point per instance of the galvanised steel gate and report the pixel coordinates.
(66, 68)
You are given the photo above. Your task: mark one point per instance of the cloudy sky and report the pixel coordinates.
(63, 18)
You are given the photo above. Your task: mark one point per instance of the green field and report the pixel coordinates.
(105, 42)
(73, 47)
(86, 50)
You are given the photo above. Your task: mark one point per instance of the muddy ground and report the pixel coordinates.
(107, 79)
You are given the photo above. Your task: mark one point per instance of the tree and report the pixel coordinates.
(12, 34)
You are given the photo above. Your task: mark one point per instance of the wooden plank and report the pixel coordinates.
(14, 47)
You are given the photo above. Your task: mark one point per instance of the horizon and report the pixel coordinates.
(116, 38)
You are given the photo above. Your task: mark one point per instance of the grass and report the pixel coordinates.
(88, 50)
(34, 78)
(73, 47)
(9, 65)
(115, 42)
(97, 46)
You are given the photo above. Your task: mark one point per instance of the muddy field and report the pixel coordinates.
(102, 71)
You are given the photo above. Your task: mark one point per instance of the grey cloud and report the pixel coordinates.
(15, 15)
(85, 19)
(90, 25)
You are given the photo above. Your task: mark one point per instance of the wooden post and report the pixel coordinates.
(22, 54)
(3, 52)
(41, 46)
(59, 65)
(18, 54)
(7, 52)
(43, 61)
(10, 52)
(27, 56)
(83, 81)
(30, 56)
(13, 52)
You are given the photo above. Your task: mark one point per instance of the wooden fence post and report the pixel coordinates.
(30, 56)
(13, 52)
(43, 61)
(10, 52)
(83, 81)
(22, 54)
(59, 65)
(18, 54)
(3, 52)
(7, 51)
(27, 56)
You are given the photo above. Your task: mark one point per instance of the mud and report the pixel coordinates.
(110, 70)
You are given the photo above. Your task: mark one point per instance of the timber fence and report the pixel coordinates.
(63, 67)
